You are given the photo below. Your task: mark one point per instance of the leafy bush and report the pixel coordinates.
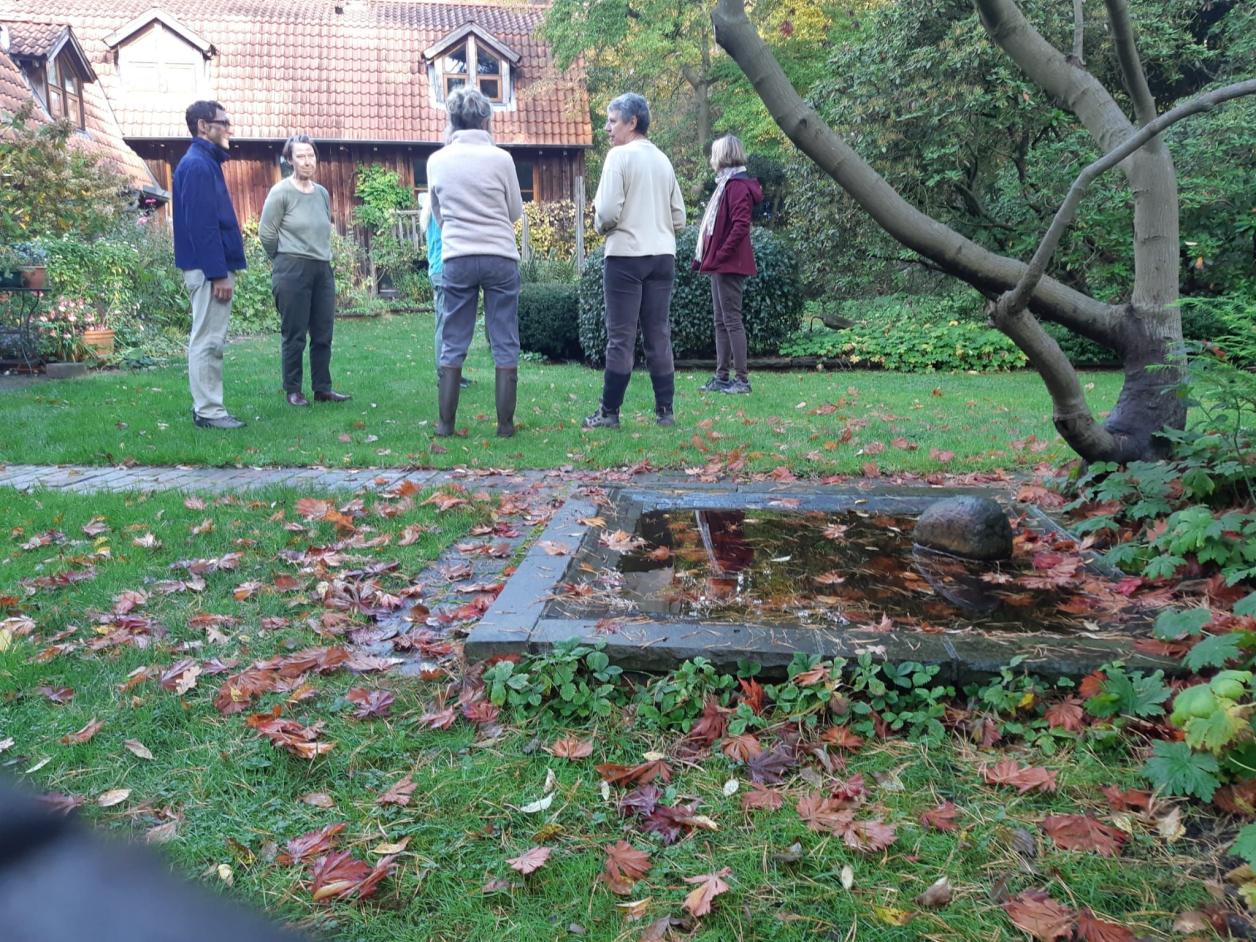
(552, 230)
(548, 270)
(772, 303)
(382, 193)
(549, 320)
(253, 303)
(1227, 321)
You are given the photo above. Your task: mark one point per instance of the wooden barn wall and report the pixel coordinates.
(253, 169)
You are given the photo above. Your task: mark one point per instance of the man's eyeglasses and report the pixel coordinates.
(223, 121)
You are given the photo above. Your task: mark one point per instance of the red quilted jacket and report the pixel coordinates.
(728, 251)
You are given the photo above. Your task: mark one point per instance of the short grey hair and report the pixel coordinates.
(727, 151)
(293, 141)
(632, 105)
(468, 110)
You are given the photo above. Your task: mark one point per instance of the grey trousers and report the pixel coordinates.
(206, 344)
(305, 294)
(464, 277)
(639, 293)
(438, 308)
(730, 329)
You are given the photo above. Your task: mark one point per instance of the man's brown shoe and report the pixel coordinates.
(296, 399)
(331, 396)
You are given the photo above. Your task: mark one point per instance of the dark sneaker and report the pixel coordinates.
(664, 417)
(601, 419)
(330, 395)
(714, 384)
(464, 383)
(737, 387)
(226, 421)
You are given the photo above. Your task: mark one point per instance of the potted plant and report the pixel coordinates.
(98, 336)
(23, 265)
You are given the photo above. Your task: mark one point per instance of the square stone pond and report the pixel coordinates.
(663, 574)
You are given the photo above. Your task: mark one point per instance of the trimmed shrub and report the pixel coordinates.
(772, 304)
(549, 319)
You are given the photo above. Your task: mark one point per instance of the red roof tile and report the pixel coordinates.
(287, 67)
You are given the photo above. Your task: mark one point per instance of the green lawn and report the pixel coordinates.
(234, 799)
(387, 365)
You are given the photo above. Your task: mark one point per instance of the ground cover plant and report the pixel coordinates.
(234, 711)
(813, 423)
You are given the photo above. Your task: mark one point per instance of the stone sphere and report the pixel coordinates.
(971, 527)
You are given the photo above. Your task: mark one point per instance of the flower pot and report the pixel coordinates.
(34, 278)
(99, 341)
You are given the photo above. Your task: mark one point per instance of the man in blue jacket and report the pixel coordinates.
(208, 249)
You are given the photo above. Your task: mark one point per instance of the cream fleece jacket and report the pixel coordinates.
(475, 196)
(638, 206)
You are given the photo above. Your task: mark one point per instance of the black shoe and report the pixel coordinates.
(226, 421)
(714, 384)
(296, 399)
(331, 396)
(737, 387)
(464, 383)
(664, 417)
(601, 419)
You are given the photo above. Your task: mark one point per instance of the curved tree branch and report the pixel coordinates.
(1131, 64)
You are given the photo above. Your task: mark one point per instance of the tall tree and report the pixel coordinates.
(1146, 330)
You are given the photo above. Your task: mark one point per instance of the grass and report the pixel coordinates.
(386, 364)
(237, 799)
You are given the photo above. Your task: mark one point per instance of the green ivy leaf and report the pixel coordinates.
(1177, 770)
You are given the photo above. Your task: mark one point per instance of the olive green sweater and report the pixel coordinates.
(296, 223)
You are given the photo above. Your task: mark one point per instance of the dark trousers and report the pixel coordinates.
(305, 294)
(639, 293)
(464, 277)
(730, 329)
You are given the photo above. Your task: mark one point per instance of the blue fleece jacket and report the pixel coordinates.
(206, 231)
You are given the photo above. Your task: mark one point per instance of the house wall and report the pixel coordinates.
(254, 168)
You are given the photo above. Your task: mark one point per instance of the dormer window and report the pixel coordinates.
(65, 91)
(55, 65)
(470, 57)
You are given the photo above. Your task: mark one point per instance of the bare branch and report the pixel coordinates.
(1017, 298)
(1079, 34)
(1131, 64)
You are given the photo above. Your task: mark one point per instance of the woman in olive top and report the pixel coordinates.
(295, 231)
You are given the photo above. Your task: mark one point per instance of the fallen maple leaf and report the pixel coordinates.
(941, 818)
(624, 866)
(1092, 929)
(439, 719)
(398, 792)
(370, 702)
(312, 843)
(761, 798)
(180, 677)
(769, 768)
(1066, 714)
(709, 885)
(1082, 832)
(570, 747)
(83, 735)
(635, 775)
(1037, 914)
(841, 737)
(711, 725)
(1024, 780)
(530, 860)
(741, 748)
(57, 694)
(1136, 798)
(339, 875)
(300, 740)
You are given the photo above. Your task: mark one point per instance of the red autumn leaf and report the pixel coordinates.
(237, 692)
(370, 702)
(761, 798)
(741, 748)
(1024, 780)
(709, 885)
(1082, 832)
(301, 741)
(624, 866)
(1238, 798)
(940, 455)
(841, 737)
(823, 814)
(180, 677)
(57, 694)
(530, 860)
(481, 712)
(711, 725)
(1119, 800)
(1091, 685)
(769, 768)
(941, 818)
(625, 775)
(312, 843)
(398, 793)
(1092, 929)
(814, 676)
(1066, 714)
(752, 693)
(868, 834)
(850, 791)
(339, 875)
(83, 735)
(570, 747)
(439, 719)
(1037, 914)
(311, 508)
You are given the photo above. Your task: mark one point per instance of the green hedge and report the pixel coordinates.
(549, 319)
(772, 304)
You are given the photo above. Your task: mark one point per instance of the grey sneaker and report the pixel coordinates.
(714, 384)
(737, 387)
(226, 421)
(664, 417)
(601, 419)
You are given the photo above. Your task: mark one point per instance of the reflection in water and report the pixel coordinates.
(821, 569)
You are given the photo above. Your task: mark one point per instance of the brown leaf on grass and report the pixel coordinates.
(937, 895)
(301, 741)
(531, 860)
(570, 747)
(126, 602)
(625, 775)
(180, 677)
(115, 796)
(370, 702)
(769, 768)
(311, 843)
(238, 691)
(439, 719)
(398, 793)
(311, 508)
(941, 818)
(147, 541)
(823, 814)
(318, 800)
(60, 803)
(1082, 832)
(1134, 798)
(752, 693)
(741, 748)
(711, 725)
(57, 694)
(95, 527)
(1066, 714)
(1090, 928)
(138, 749)
(709, 885)
(161, 833)
(339, 876)
(841, 737)
(83, 735)
(624, 866)
(1238, 798)
(761, 798)
(1024, 780)
(867, 835)
(1036, 913)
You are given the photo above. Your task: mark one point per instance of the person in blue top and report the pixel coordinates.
(435, 273)
(209, 250)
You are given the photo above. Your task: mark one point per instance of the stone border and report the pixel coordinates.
(518, 622)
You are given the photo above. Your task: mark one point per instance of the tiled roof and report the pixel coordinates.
(33, 39)
(300, 66)
(102, 136)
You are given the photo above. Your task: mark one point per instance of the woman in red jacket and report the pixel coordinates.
(724, 252)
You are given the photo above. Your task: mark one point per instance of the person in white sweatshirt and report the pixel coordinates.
(475, 198)
(638, 207)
